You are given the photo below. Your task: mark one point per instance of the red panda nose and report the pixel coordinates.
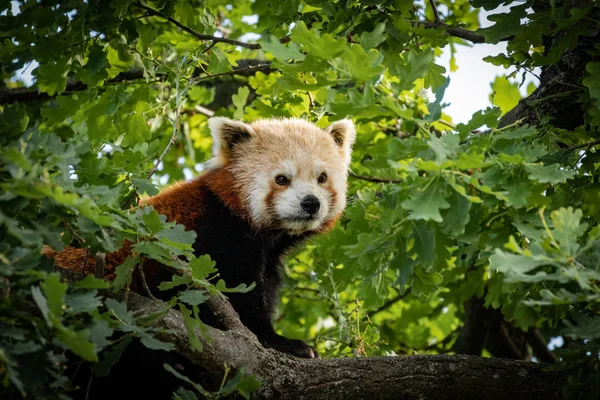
(310, 204)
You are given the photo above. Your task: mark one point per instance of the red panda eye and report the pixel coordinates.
(322, 178)
(282, 180)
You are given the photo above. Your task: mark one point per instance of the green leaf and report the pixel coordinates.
(567, 229)
(290, 52)
(193, 297)
(124, 272)
(52, 76)
(505, 95)
(239, 101)
(154, 344)
(457, 216)
(241, 288)
(592, 81)
(549, 173)
(202, 267)
(502, 261)
(177, 236)
(176, 280)
(153, 221)
(370, 40)
(120, 6)
(41, 302)
(322, 46)
(241, 383)
(426, 205)
(412, 66)
(136, 130)
(587, 328)
(144, 186)
(95, 70)
(192, 326)
(520, 133)
(83, 302)
(488, 117)
(435, 108)
(507, 24)
(78, 342)
(363, 66)
(184, 378)
(444, 147)
(55, 291)
(90, 282)
(111, 356)
(218, 63)
(119, 310)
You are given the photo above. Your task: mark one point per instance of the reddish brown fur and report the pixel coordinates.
(180, 202)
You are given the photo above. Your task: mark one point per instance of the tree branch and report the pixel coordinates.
(288, 377)
(246, 71)
(373, 178)
(389, 303)
(201, 36)
(413, 377)
(28, 94)
(581, 146)
(197, 35)
(175, 129)
(436, 14)
(33, 94)
(462, 33)
(539, 346)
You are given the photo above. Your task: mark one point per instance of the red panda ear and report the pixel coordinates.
(226, 133)
(344, 134)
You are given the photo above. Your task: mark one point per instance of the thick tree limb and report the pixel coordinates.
(558, 92)
(415, 377)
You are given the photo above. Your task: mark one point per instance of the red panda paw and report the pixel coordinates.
(291, 346)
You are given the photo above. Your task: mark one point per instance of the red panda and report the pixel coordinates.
(270, 185)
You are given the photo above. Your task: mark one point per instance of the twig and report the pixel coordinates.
(311, 102)
(87, 251)
(580, 146)
(374, 179)
(100, 261)
(266, 68)
(539, 345)
(436, 14)
(200, 36)
(205, 111)
(389, 303)
(454, 31)
(516, 353)
(173, 139)
(251, 46)
(144, 282)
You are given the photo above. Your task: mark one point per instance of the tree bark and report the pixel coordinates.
(412, 377)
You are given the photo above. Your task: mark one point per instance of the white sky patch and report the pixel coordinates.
(250, 19)
(249, 37)
(555, 342)
(189, 175)
(469, 87)
(25, 74)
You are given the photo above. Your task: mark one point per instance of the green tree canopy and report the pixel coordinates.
(479, 238)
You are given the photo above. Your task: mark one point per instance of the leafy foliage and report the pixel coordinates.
(506, 213)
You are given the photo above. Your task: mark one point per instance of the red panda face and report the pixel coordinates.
(289, 174)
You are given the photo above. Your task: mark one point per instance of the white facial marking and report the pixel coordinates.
(301, 152)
